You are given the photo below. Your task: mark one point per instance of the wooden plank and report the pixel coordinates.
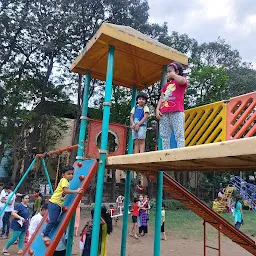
(216, 156)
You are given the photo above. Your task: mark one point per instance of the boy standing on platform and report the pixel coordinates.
(139, 116)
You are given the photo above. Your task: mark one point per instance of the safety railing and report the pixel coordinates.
(206, 124)
(241, 116)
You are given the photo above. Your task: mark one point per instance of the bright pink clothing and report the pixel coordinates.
(173, 99)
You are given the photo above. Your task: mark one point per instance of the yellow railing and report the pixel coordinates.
(206, 124)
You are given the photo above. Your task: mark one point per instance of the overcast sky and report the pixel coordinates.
(206, 20)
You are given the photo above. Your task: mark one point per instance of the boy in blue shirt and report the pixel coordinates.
(139, 116)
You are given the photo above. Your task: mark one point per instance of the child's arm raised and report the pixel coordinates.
(76, 191)
(180, 79)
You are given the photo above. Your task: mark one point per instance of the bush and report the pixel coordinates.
(172, 205)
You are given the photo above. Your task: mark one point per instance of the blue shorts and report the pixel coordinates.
(140, 134)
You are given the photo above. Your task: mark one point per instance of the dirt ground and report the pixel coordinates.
(144, 245)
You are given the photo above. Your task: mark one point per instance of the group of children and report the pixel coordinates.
(140, 217)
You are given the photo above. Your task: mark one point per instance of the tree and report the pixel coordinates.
(207, 85)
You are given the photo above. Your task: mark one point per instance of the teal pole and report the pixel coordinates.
(103, 153)
(80, 154)
(47, 175)
(159, 195)
(83, 125)
(127, 185)
(19, 184)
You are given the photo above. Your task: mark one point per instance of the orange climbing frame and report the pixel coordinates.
(241, 116)
(178, 192)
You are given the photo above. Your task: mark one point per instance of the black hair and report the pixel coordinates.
(22, 196)
(107, 218)
(136, 200)
(163, 205)
(7, 187)
(177, 67)
(238, 198)
(67, 168)
(142, 95)
(44, 207)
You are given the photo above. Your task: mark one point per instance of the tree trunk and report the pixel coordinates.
(113, 185)
(15, 169)
(1, 151)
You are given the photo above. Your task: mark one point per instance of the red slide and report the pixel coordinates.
(178, 192)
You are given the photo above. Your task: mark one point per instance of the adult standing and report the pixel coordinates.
(238, 213)
(3, 196)
(19, 225)
(7, 213)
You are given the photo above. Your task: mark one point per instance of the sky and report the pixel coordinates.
(206, 20)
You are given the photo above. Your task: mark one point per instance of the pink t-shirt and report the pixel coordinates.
(173, 99)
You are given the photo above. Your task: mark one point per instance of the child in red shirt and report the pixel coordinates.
(135, 214)
(170, 108)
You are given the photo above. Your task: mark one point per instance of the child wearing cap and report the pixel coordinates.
(139, 116)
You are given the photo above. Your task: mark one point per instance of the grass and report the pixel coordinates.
(187, 225)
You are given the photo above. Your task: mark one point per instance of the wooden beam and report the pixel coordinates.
(232, 154)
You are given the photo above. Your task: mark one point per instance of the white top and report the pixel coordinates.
(34, 224)
(10, 208)
(2, 195)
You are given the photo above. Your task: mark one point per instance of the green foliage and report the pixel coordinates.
(207, 85)
(170, 205)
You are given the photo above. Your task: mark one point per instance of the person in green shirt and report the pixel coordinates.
(238, 213)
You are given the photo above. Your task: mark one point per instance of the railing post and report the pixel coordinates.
(127, 185)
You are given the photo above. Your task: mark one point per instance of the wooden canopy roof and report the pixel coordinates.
(138, 58)
(219, 156)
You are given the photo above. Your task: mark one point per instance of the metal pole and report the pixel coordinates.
(103, 153)
(80, 154)
(17, 187)
(127, 185)
(83, 124)
(204, 223)
(47, 175)
(159, 195)
(219, 240)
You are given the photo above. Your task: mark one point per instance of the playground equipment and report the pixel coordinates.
(246, 190)
(82, 177)
(140, 62)
(221, 156)
(221, 205)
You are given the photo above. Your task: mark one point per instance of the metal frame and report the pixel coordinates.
(205, 239)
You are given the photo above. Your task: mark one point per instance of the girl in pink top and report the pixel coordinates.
(170, 108)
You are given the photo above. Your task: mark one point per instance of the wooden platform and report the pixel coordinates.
(220, 156)
(138, 58)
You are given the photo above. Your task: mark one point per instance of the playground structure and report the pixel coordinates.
(140, 62)
(246, 190)
(221, 205)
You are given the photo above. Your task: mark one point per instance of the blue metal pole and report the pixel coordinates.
(80, 153)
(159, 196)
(47, 175)
(17, 187)
(127, 185)
(83, 125)
(103, 153)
